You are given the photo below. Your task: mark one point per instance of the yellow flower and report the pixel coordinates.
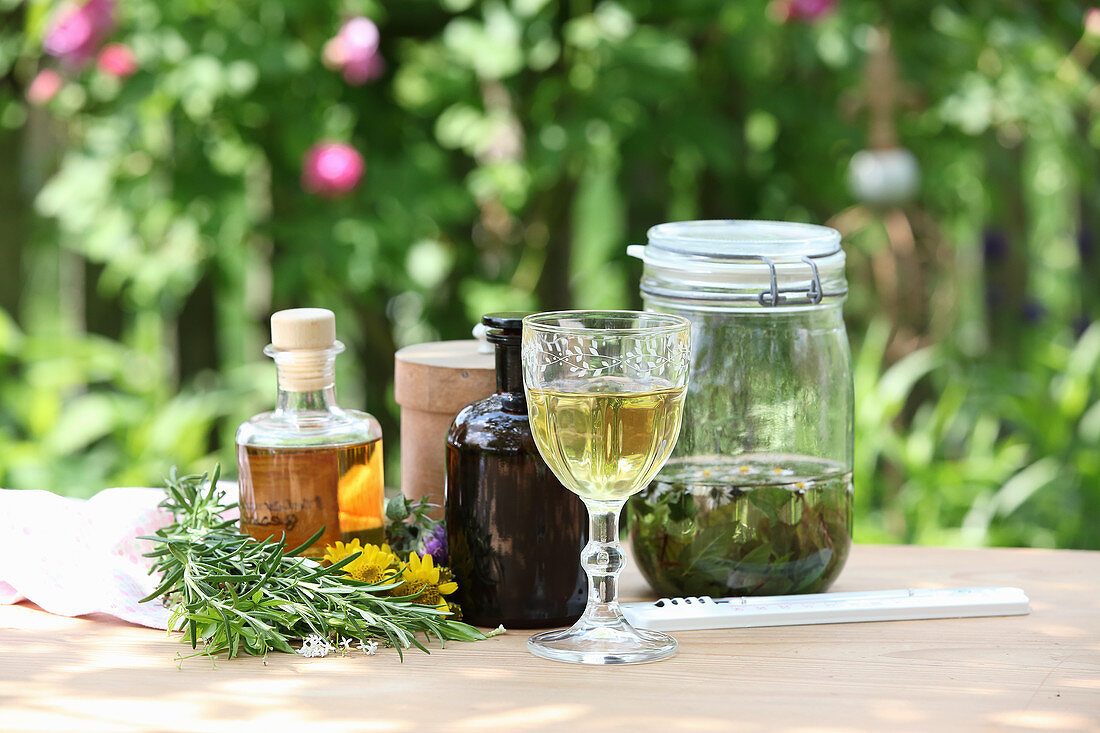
(376, 564)
(373, 565)
(334, 555)
(432, 583)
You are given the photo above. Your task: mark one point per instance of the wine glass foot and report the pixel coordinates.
(618, 643)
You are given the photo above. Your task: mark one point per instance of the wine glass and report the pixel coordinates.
(605, 395)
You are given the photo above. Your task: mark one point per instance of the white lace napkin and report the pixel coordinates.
(73, 557)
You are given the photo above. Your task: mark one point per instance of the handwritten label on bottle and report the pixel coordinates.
(297, 491)
(278, 513)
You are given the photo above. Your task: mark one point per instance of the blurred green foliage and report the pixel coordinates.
(513, 149)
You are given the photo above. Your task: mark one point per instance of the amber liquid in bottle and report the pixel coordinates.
(309, 465)
(296, 491)
(512, 527)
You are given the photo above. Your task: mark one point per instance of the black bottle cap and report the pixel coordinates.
(504, 327)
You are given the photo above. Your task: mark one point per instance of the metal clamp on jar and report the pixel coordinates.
(757, 497)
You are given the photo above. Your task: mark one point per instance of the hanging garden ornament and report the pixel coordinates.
(885, 174)
(884, 177)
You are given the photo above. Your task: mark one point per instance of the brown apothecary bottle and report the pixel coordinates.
(511, 525)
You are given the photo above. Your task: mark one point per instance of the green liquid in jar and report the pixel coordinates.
(755, 525)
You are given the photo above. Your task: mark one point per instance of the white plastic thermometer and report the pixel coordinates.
(704, 612)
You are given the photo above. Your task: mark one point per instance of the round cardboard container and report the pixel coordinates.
(432, 383)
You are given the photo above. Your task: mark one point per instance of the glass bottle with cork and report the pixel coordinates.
(308, 463)
(509, 520)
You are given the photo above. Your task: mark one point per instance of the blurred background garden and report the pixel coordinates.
(175, 170)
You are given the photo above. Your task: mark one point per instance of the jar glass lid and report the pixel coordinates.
(767, 263)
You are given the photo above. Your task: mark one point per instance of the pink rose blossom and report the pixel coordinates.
(805, 10)
(358, 72)
(44, 87)
(78, 30)
(1092, 22)
(360, 37)
(331, 169)
(354, 51)
(118, 60)
(334, 55)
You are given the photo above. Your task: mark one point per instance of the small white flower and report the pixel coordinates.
(315, 645)
(345, 646)
(497, 631)
(368, 647)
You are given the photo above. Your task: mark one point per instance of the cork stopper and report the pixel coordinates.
(304, 346)
(303, 328)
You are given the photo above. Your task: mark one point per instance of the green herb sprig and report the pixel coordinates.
(234, 594)
(409, 522)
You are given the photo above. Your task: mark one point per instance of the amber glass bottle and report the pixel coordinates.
(309, 464)
(511, 525)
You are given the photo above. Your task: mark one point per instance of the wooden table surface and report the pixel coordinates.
(1039, 672)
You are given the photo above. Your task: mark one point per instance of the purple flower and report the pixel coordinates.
(435, 545)
(78, 30)
(994, 245)
(332, 169)
(1032, 311)
(354, 51)
(1085, 245)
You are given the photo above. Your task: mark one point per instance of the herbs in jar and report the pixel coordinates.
(755, 525)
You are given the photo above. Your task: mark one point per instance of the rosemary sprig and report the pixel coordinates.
(235, 594)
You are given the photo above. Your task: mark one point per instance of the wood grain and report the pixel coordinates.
(1039, 672)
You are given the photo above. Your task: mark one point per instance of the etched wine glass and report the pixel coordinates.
(605, 395)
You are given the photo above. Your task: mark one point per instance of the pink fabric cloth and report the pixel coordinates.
(73, 557)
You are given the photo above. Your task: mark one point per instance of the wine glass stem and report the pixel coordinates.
(602, 559)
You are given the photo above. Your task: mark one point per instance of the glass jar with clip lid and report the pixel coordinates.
(757, 497)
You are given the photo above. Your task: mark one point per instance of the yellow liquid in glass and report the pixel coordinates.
(605, 438)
